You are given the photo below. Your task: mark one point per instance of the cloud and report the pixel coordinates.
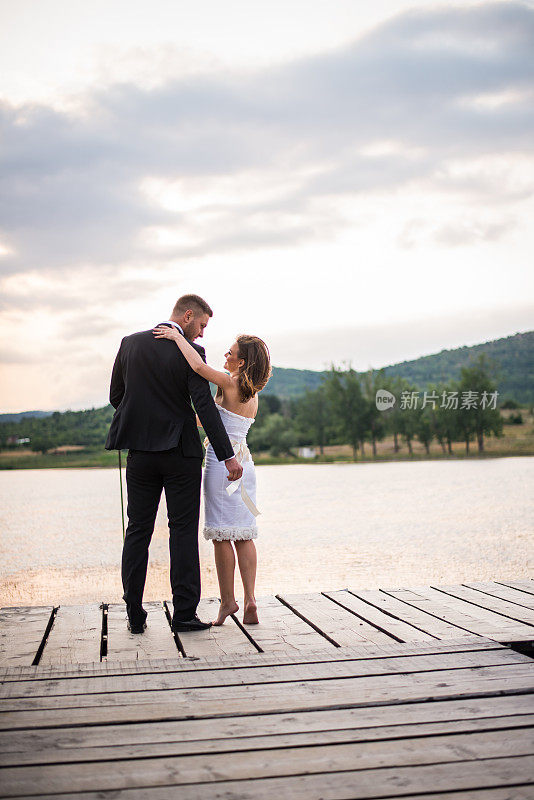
(72, 192)
(466, 232)
(455, 233)
(390, 342)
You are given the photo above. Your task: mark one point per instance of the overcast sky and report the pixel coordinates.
(351, 181)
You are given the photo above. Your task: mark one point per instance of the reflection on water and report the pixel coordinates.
(322, 527)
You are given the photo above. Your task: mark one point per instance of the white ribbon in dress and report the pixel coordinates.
(242, 453)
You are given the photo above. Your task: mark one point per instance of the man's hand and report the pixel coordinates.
(235, 470)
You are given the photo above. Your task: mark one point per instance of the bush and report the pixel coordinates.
(510, 404)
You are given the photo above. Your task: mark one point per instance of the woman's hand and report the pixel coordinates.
(164, 332)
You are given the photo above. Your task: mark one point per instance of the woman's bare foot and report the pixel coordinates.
(250, 615)
(224, 611)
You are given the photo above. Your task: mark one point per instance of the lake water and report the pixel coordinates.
(322, 527)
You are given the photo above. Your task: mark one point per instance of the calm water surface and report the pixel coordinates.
(322, 527)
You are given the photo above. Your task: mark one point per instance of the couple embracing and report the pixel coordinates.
(156, 375)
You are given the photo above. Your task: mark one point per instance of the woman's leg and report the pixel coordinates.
(225, 563)
(247, 558)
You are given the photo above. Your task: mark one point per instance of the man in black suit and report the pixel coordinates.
(152, 386)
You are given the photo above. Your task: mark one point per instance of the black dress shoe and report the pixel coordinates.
(136, 628)
(194, 624)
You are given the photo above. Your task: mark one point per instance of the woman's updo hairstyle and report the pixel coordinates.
(256, 371)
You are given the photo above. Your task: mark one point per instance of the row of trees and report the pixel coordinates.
(87, 428)
(343, 410)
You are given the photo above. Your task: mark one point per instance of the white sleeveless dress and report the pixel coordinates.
(228, 517)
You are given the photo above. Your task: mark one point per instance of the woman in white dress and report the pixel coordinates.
(230, 518)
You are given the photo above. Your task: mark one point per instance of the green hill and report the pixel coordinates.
(514, 357)
(24, 415)
(292, 382)
(515, 378)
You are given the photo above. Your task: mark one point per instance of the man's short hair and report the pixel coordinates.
(191, 302)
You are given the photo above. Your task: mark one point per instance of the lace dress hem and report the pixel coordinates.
(230, 534)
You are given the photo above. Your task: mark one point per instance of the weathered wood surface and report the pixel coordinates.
(414, 616)
(320, 758)
(521, 586)
(399, 781)
(488, 603)
(399, 629)
(380, 618)
(282, 631)
(156, 642)
(373, 721)
(339, 625)
(465, 615)
(21, 633)
(217, 640)
(466, 643)
(47, 750)
(504, 592)
(75, 635)
(126, 706)
(256, 674)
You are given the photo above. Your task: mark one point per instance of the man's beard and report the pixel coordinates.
(188, 332)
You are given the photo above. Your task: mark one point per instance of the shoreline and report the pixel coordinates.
(105, 461)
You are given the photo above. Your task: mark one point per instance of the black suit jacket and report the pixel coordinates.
(152, 386)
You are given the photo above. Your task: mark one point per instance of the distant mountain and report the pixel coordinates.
(515, 374)
(515, 369)
(514, 357)
(24, 415)
(292, 382)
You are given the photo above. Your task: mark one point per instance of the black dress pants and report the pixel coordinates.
(147, 474)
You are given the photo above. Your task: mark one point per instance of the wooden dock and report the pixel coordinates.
(423, 692)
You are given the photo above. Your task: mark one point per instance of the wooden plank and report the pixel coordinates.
(156, 642)
(250, 676)
(282, 631)
(292, 696)
(75, 635)
(458, 612)
(398, 628)
(490, 603)
(227, 639)
(416, 617)
(374, 722)
(504, 592)
(489, 623)
(49, 753)
(521, 586)
(464, 644)
(338, 624)
(384, 783)
(511, 793)
(21, 632)
(216, 767)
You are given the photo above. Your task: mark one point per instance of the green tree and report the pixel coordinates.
(393, 416)
(313, 418)
(410, 410)
(348, 406)
(375, 421)
(478, 392)
(42, 443)
(424, 427)
(276, 434)
(446, 416)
